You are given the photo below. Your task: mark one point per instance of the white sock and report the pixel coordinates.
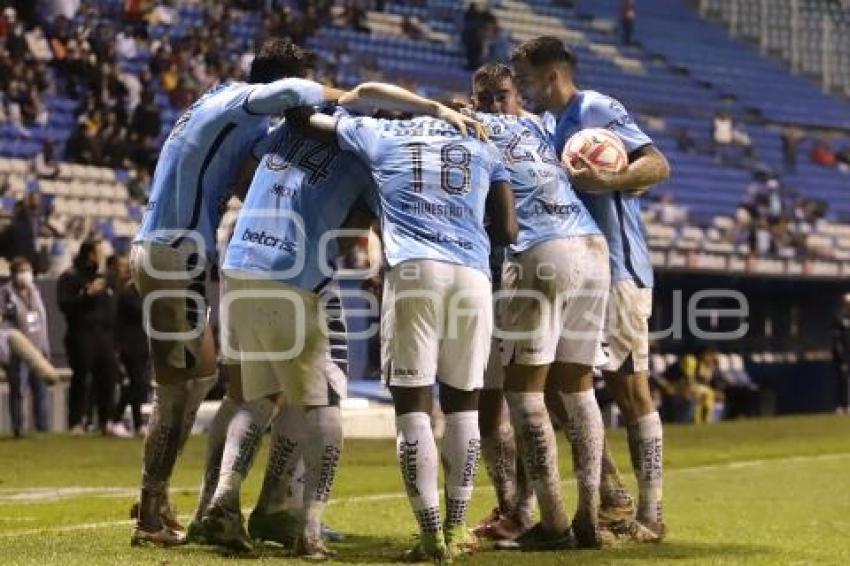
(287, 436)
(500, 458)
(586, 433)
(461, 452)
(650, 469)
(321, 459)
(216, 438)
(417, 455)
(530, 419)
(243, 440)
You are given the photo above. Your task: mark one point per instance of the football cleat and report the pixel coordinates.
(164, 537)
(460, 540)
(225, 528)
(430, 548)
(539, 538)
(313, 549)
(281, 527)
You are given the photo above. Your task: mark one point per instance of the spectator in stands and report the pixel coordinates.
(628, 15)
(822, 153)
(742, 140)
(841, 356)
(843, 158)
(790, 138)
(87, 304)
(24, 310)
(45, 165)
(411, 28)
(82, 146)
(477, 23)
(686, 397)
(147, 122)
(132, 344)
(722, 135)
(685, 142)
(499, 45)
(19, 239)
(355, 17)
(665, 211)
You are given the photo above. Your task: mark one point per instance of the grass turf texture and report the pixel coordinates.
(753, 492)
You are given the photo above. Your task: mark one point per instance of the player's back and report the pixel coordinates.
(198, 165)
(433, 183)
(302, 191)
(546, 205)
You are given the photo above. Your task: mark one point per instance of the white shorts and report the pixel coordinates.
(436, 320)
(627, 326)
(279, 335)
(172, 283)
(555, 295)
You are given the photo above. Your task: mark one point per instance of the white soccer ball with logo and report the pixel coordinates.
(601, 147)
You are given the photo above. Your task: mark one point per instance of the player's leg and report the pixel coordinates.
(628, 376)
(216, 438)
(276, 517)
(410, 326)
(184, 370)
(531, 318)
(514, 495)
(574, 405)
(463, 356)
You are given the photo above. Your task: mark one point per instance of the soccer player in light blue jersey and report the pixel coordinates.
(201, 162)
(556, 279)
(284, 241)
(545, 70)
(435, 187)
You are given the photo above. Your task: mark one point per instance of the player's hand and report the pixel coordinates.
(466, 124)
(587, 177)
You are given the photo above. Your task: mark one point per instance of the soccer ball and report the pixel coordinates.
(601, 147)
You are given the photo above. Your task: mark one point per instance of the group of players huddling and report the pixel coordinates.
(508, 276)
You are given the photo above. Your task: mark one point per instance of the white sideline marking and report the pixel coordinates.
(111, 492)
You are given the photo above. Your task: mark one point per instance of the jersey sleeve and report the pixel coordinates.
(606, 112)
(278, 96)
(359, 136)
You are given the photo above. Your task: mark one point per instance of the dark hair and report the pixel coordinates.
(544, 50)
(492, 74)
(18, 264)
(278, 58)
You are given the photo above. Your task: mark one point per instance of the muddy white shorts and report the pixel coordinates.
(436, 321)
(171, 280)
(555, 295)
(627, 326)
(279, 334)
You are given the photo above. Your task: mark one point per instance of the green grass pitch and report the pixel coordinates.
(766, 492)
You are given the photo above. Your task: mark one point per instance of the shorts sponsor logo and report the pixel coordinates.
(401, 372)
(559, 209)
(268, 240)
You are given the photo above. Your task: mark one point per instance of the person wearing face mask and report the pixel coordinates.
(132, 345)
(89, 308)
(24, 310)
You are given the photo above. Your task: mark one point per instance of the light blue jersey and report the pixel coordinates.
(546, 205)
(617, 214)
(302, 191)
(433, 183)
(205, 151)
